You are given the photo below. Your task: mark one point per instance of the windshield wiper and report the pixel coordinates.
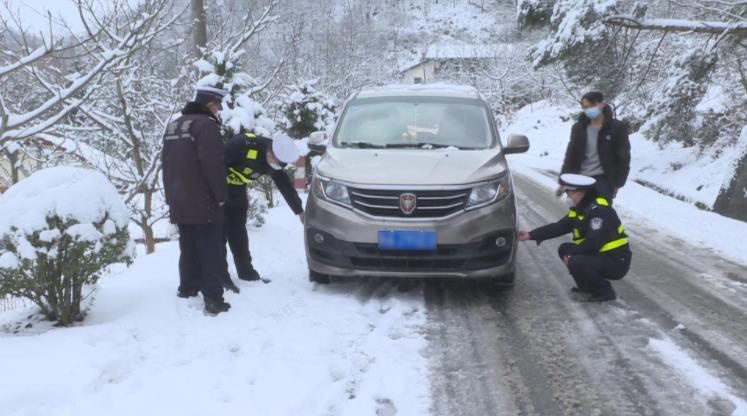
(405, 145)
(362, 145)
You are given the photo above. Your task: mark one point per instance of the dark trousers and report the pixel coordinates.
(604, 187)
(238, 240)
(592, 272)
(200, 264)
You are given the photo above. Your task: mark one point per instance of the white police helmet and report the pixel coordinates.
(284, 148)
(575, 182)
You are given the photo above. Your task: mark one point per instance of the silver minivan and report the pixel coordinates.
(413, 183)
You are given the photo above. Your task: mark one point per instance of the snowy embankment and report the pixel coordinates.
(285, 348)
(695, 177)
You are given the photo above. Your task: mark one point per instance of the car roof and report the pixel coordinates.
(420, 90)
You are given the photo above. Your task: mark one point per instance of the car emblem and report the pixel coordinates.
(408, 203)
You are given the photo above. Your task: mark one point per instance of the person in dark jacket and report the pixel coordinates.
(600, 251)
(599, 147)
(248, 157)
(194, 181)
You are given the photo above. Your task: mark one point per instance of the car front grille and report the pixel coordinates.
(430, 204)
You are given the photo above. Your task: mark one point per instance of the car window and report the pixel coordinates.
(397, 122)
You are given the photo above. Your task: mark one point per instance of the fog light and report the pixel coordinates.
(500, 241)
(318, 238)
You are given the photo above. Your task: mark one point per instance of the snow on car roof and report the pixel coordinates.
(432, 90)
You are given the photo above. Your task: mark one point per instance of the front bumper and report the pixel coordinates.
(466, 243)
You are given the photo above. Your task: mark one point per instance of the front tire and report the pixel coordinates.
(505, 281)
(315, 277)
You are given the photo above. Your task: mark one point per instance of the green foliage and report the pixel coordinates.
(55, 267)
(306, 110)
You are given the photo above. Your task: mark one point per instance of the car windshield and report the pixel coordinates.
(422, 122)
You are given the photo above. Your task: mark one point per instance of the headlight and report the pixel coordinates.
(331, 190)
(488, 193)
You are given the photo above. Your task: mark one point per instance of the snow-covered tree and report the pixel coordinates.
(125, 124)
(59, 230)
(224, 67)
(62, 71)
(241, 112)
(582, 44)
(306, 110)
(672, 113)
(533, 13)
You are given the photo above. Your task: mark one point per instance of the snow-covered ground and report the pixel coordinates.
(285, 348)
(695, 177)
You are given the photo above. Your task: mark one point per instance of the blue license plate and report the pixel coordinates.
(408, 240)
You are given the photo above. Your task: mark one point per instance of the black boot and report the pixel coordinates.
(602, 296)
(228, 284)
(184, 294)
(250, 275)
(216, 306)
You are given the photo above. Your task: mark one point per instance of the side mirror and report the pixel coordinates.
(318, 142)
(517, 143)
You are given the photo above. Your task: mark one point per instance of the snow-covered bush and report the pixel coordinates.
(306, 110)
(257, 209)
(59, 229)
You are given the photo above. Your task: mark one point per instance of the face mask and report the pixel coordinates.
(568, 202)
(274, 165)
(593, 112)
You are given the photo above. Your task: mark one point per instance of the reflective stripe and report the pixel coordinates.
(577, 239)
(614, 244)
(247, 171)
(250, 135)
(232, 179)
(236, 178)
(251, 154)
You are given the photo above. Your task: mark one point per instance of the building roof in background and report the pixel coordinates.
(451, 50)
(445, 51)
(416, 90)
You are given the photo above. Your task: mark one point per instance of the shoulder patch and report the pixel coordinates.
(596, 223)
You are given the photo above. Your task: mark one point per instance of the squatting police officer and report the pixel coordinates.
(249, 156)
(600, 251)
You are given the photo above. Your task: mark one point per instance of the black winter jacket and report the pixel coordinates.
(613, 146)
(194, 174)
(597, 224)
(247, 157)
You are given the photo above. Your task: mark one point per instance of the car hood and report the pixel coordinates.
(411, 166)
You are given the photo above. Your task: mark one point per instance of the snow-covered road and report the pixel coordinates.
(674, 343)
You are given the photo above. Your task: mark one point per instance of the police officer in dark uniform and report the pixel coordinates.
(599, 251)
(249, 156)
(195, 187)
